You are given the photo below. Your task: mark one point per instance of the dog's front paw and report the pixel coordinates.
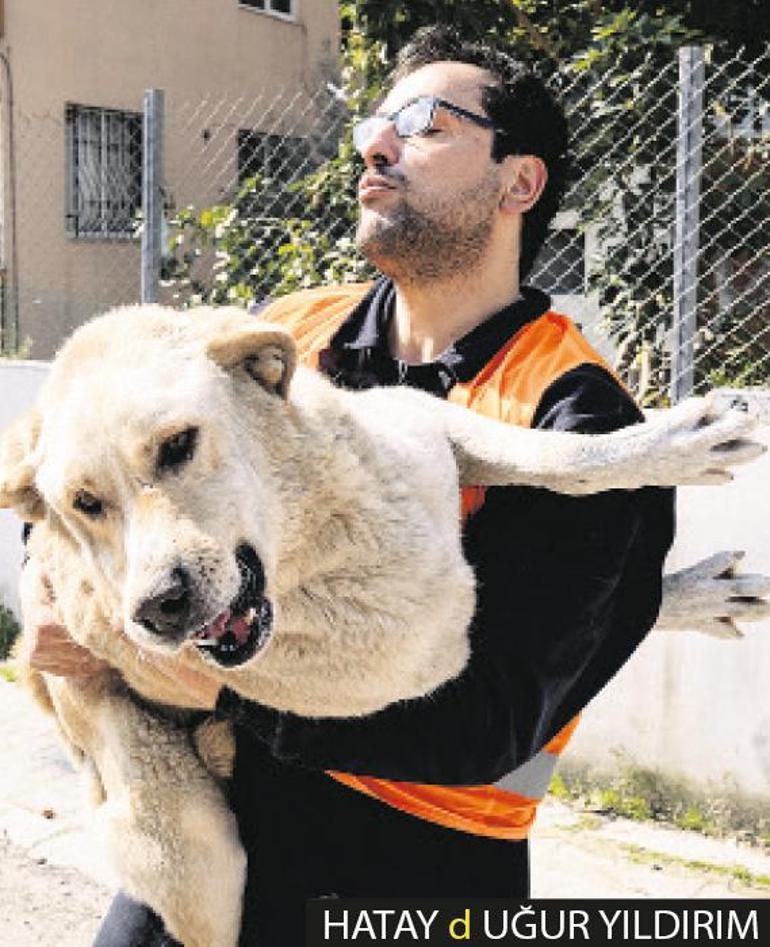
(215, 745)
(697, 442)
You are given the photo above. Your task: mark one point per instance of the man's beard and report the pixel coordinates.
(431, 245)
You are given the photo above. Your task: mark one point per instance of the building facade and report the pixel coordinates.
(74, 75)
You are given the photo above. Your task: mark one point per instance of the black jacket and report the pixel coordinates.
(567, 587)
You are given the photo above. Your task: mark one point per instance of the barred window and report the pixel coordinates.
(104, 171)
(279, 7)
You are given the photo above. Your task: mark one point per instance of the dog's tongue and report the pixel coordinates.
(240, 629)
(218, 627)
(224, 623)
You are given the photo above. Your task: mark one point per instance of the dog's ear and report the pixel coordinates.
(17, 467)
(267, 352)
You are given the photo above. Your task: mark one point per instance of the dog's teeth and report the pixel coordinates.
(206, 642)
(251, 614)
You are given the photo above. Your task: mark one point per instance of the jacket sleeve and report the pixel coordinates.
(567, 588)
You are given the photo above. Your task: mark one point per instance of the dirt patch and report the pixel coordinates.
(45, 905)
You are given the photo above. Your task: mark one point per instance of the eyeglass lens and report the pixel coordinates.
(413, 119)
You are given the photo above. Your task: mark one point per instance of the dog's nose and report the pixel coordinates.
(167, 611)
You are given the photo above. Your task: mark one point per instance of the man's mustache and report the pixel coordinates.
(386, 171)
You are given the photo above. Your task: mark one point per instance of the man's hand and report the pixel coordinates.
(47, 646)
(195, 689)
(709, 597)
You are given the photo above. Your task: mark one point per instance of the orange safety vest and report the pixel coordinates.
(509, 389)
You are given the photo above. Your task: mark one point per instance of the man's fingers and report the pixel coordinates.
(50, 649)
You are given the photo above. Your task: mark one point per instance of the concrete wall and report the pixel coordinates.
(105, 53)
(694, 707)
(19, 382)
(108, 49)
(691, 706)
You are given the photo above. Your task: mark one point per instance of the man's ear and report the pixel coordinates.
(267, 352)
(18, 466)
(525, 178)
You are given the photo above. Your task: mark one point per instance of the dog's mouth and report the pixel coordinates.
(242, 629)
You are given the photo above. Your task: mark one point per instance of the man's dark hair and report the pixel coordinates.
(532, 122)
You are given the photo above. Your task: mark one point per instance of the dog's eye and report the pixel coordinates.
(177, 450)
(87, 503)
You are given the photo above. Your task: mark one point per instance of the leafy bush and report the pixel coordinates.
(615, 66)
(9, 631)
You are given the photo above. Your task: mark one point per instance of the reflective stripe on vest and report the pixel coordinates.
(532, 778)
(509, 389)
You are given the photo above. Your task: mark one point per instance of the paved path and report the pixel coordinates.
(55, 882)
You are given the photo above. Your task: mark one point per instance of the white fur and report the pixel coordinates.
(351, 502)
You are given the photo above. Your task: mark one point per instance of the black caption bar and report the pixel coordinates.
(333, 922)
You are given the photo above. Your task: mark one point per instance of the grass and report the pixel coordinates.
(644, 795)
(643, 856)
(9, 631)
(693, 819)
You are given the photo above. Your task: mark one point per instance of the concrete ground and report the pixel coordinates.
(55, 883)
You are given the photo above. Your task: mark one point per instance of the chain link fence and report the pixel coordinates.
(236, 165)
(660, 253)
(670, 220)
(73, 196)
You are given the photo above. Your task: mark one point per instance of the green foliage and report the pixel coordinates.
(642, 794)
(624, 102)
(558, 788)
(614, 64)
(630, 807)
(19, 352)
(636, 206)
(9, 631)
(253, 253)
(694, 819)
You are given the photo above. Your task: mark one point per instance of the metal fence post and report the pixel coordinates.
(688, 178)
(152, 193)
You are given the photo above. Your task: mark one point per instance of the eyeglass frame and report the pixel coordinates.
(481, 120)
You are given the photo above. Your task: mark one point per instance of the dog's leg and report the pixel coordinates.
(170, 834)
(694, 443)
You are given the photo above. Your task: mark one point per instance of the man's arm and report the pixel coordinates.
(568, 587)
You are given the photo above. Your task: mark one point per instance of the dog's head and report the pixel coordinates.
(156, 444)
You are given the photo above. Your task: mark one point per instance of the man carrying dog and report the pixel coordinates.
(466, 161)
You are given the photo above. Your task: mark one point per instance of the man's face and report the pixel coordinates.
(429, 203)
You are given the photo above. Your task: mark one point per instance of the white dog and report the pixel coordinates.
(296, 542)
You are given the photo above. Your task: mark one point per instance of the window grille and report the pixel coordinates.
(104, 171)
(279, 7)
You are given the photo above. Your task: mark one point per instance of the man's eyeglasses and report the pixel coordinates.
(414, 118)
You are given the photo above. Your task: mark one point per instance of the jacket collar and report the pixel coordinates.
(358, 355)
